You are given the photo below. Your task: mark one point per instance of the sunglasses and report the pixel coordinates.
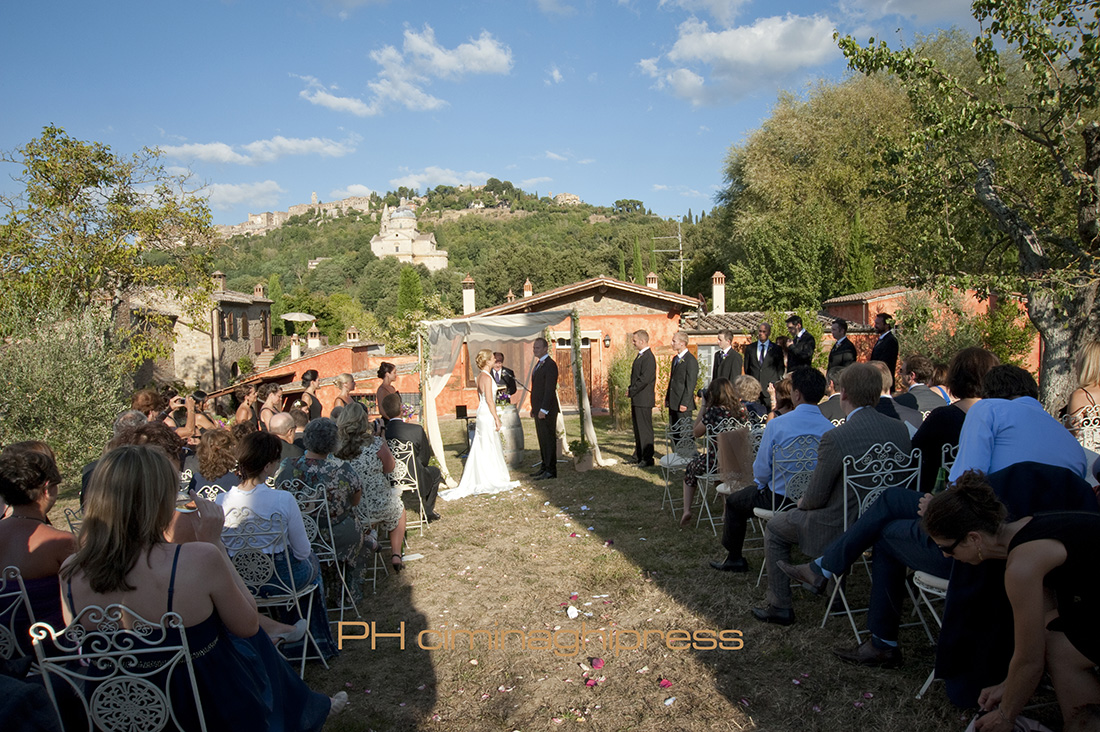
(949, 549)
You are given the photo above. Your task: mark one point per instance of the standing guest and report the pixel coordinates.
(684, 374)
(344, 489)
(246, 401)
(886, 347)
(764, 361)
(300, 422)
(283, 427)
(727, 361)
(363, 445)
(149, 402)
(345, 383)
(843, 352)
(29, 481)
(1050, 580)
(944, 424)
(427, 475)
(800, 352)
(719, 403)
(504, 378)
(642, 393)
(240, 429)
(544, 408)
(388, 373)
(204, 420)
(916, 372)
(748, 391)
(310, 402)
(270, 396)
(123, 558)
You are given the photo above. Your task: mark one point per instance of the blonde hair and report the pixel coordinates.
(344, 379)
(1088, 365)
(351, 431)
(128, 505)
(484, 358)
(217, 453)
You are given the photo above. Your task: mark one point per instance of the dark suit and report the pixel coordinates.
(801, 351)
(428, 476)
(886, 350)
(891, 408)
(842, 354)
(544, 396)
(831, 408)
(767, 370)
(681, 387)
(642, 393)
(290, 450)
(820, 518)
(920, 398)
(507, 379)
(726, 365)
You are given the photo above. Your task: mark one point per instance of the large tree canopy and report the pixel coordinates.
(1005, 155)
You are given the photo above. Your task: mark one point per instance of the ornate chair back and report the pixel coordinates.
(16, 615)
(883, 466)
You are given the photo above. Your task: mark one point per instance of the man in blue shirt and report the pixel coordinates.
(807, 388)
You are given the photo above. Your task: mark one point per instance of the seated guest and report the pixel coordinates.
(428, 476)
(944, 424)
(807, 387)
(283, 427)
(1087, 393)
(720, 402)
(889, 406)
(1009, 425)
(938, 382)
(916, 372)
(214, 461)
(182, 527)
(344, 490)
(364, 447)
(749, 392)
(388, 373)
(1050, 568)
(779, 394)
(28, 484)
(126, 420)
(819, 516)
(123, 558)
(830, 408)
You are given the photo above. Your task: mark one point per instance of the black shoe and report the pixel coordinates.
(868, 654)
(646, 463)
(774, 615)
(732, 565)
(433, 516)
(545, 476)
(804, 573)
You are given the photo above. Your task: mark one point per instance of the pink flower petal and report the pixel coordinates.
(817, 708)
(590, 682)
(597, 663)
(664, 683)
(744, 702)
(868, 695)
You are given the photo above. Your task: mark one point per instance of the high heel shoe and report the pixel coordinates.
(293, 635)
(399, 564)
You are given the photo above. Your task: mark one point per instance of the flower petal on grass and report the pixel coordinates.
(597, 663)
(572, 612)
(664, 683)
(668, 702)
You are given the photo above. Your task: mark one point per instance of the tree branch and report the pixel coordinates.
(1032, 256)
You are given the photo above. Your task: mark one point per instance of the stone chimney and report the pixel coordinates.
(510, 296)
(295, 348)
(313, 337)
(260, 290)
(718, 293)
(219, 281)
(352, 336)
(528, 289)
(468, 295)
(651, 280)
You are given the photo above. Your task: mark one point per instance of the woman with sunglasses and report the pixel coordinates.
(1050, 580)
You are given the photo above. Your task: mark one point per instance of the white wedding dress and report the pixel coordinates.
(485, 471)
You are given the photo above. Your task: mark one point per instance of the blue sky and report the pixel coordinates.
(267, 102)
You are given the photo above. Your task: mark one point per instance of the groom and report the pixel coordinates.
(544, 409)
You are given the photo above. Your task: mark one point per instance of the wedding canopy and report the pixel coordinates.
(445, 339)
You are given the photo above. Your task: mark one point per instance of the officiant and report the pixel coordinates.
(504, 379)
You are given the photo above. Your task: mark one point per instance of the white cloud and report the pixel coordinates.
(405, 73)
(258, 196)
(659, 187)
(709, 67)
(555, 76)
(263, 151)
(921, 11)
(526, 184)
(433, 176)
(355, 190)
(555, 156)
(692, 193)
(555, 7)
(586, 161)
(724, 11)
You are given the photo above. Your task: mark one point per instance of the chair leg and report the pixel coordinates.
(927, 683)
(838, 589)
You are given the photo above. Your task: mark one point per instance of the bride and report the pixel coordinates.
(486, 471)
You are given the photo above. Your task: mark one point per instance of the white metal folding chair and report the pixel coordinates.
(209, 492)
(948, 455)
(1085, 424)
(313, 503)
(261, 555)
(379, 563)
(883, 466)
(75, 519)
(406, 476)
(679, 451)
(931, 589)
(120, 667)
(16, 615)
(712, 472)
(794, 464)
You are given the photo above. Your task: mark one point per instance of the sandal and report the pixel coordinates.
(399, 564)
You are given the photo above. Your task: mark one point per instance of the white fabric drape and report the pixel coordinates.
(445, 338)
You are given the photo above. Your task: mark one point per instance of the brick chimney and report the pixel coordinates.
(352, 336)
(313, 337)
(219, 281)
(528, 289)
(295, 347)
(651, 280)
(468, 295)
(260, 290)
(718, 293)
(510, 296)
